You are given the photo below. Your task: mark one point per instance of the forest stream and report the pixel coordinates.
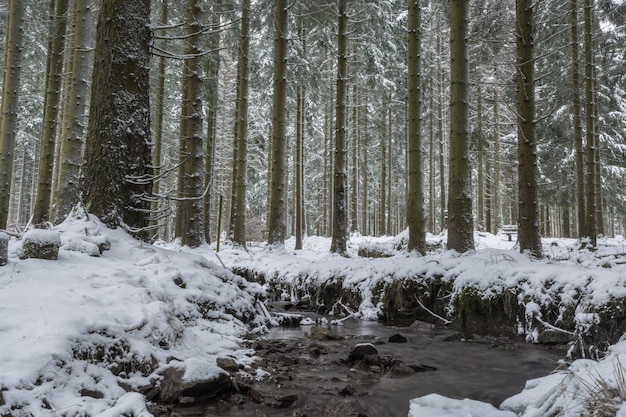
(313, 370)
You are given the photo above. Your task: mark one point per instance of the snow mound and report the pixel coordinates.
(78, 331)
(435, 405)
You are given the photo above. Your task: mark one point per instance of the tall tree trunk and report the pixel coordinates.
(212, 69)
(118, 137)
(497, 171)
(240, 177)
(590, 184)
(73, 137)
(382, 219)
(10, 101)
(364, 169)
(480, 150)
(389, 207)
(54, 73)
(576, 115)
(340, 215)
(276, 232)
(415, 196)
(299, 161)
(528, 235)
(158, 135)
(460, 221)
(596, 153)
(354, 192)
(442, 134)
(189, 215)
(431, 157)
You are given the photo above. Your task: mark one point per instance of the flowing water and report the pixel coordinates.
(485, 369)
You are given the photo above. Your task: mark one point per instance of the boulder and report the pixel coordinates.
(40, 244)
(227, 364)
(344, 408)
(360, 351)
(273, 398)
(175, 386)
(397, 338)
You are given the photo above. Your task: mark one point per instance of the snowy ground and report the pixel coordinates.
(74, 333)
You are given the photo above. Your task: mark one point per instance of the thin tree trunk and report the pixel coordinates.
(297, 165)
(54, 70)
(383, 169)
(276, 232)
(389, 205)
(10, 101)
(364, 169)
(442, 135)
(497, 174)
(415, 196)
(431, 158)
(354, 192)
(528, 234)
(460, 221)
(590, 184)
(576, 114)
(158, 135)
(480, 149)
(340, 220)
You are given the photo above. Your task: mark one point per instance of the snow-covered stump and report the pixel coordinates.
(40, 244)
(4, 248)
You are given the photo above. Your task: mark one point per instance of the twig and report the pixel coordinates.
(446, 321)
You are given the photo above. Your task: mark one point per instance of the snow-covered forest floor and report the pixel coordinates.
(84, 335)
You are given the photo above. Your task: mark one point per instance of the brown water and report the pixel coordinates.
(485, 369)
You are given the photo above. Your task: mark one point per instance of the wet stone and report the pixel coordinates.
(397, 338)
(360, 351)
(344, 408)
(174, 388)
(273, 398)
(227, 364)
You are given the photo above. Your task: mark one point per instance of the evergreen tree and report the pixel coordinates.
(118, 139)
(415, 197)
(528, 235)
(460, 220)
(10, 99)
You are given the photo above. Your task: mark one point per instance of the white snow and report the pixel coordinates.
(59, 318)
(66, 324)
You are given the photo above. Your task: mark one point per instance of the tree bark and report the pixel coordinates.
(276, 232)
(415, 195)
(340, 217)
(528, 229)
(460, 221)
(118, 138)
